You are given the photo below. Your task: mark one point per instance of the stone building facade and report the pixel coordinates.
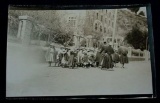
(97, 26)
(100, 24)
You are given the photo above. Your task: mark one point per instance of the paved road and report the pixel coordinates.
(43, 80)
(29, 78)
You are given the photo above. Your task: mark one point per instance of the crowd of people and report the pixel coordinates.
(104, 57)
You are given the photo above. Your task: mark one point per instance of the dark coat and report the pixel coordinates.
(71, 60)
(115, 58)
(122, 50)
(123, 55)
(110, 50)
(85, 59)
(98, 57)
(107, 62)
(60, 57)
(104, 48)
(66, 57)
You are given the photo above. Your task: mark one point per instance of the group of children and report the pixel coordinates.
(71, 58)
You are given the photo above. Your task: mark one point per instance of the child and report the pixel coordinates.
(79, 58)
(115, 58)
(50, 55)
(59, 57)
(91, 60)
(85, 60)
(71, 61)
(97, 58)
(65, 57)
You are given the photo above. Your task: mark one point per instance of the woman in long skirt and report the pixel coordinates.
(106, 61)
(123, 56)
(51, 55)
(110, 51)
(115, 58)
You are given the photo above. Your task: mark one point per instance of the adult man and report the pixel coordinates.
(104, 48)
(110, 51)
(107, 51)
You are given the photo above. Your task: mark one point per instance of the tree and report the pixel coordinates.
(137, 38)
(142, 13)
(135, 10)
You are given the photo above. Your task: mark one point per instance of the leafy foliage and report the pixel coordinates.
(135, 10)
(137, 38)
(46, 25)
(142, 13)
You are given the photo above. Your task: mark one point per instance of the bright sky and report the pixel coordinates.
(143, 9)
(82, 12)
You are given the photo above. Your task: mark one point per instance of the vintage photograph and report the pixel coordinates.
(78, 52)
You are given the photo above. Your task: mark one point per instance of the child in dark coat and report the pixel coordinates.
(85, 60)
(71, 61)
(115, 58)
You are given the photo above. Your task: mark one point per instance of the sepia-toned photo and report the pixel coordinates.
(78, 52)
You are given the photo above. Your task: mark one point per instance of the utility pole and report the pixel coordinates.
(114, 31)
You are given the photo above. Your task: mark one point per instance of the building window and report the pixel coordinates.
(96, 26)
(105, 20)
(97, 15)
(112, 24)
(100, 28)
(101, 17)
